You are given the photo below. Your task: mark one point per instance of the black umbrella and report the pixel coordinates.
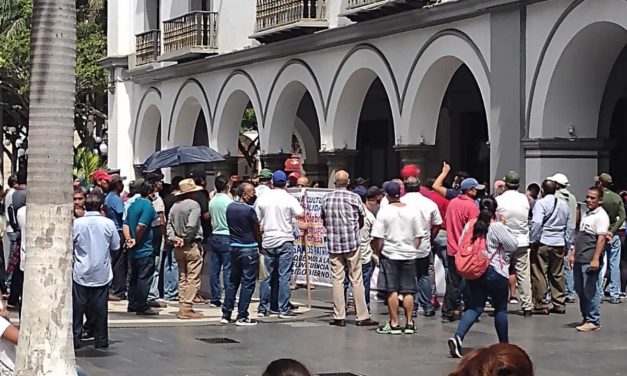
(179, 155)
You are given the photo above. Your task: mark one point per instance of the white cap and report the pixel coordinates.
(560, 179)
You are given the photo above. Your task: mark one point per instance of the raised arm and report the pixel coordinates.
(438, 184)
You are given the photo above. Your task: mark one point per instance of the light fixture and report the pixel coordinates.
(104, 149)
(572, 132)
(98, 139)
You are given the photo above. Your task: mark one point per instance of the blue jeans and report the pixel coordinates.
(612, 249)
(220, 262)
(569, 279)
(366, 272)
(423, 296)
(154, 293)
(170, 274)
(493, 285)
(244, 266)
(586, 285)
(277, 260)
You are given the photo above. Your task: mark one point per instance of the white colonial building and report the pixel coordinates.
(537, 86)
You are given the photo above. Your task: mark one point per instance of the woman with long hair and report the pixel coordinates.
(500, 243)
(499, 359)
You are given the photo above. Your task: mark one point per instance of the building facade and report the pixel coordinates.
(487, 85)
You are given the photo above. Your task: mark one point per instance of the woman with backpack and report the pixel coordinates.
(483, 261)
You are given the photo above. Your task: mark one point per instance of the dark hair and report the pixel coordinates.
(198, 175)
(146, 188)
(22, 177)
(175, 181)
(94, 202)
(286, 367)
(534, 188)
(488, 211)
(429, 183)
(80, 189)
(12, 181)
(462, 174)
(598, 190)
(549, 187)
(320, 183)
(502, 359)
(221, 183)
(412, 184)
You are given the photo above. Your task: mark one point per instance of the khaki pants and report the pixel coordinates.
(351, 260)
(547, 265)
(520, 262)
(189, 260)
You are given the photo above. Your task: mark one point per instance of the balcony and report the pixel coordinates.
(362, 10)
(190, 36)
(283, 19)
(147, 47)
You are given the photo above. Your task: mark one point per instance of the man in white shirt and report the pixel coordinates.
(513, 207)
(397, 235)
(430, 222)
(12, 234)
(277, 210)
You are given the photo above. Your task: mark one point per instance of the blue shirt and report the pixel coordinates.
(115, 209)
(141, 212)
(241, 219)
(556, 230)
(94, 237)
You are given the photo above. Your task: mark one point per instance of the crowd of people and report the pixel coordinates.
(145, 242)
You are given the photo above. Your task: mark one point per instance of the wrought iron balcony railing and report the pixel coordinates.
(361, 10)
(290, 14)
(197, 30)
(147, 47)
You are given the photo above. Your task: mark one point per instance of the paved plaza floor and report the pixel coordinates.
(148, 347)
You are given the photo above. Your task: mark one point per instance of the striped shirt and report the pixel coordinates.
(341, 210)
(501, 243)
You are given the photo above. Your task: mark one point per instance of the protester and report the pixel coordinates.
(459, 212)
(430, 222)
(170, 266)
(78, 200)
(265, 182)
(139, 239)
(302, 182)
(286, 367)
(587, 257)
(220, 243)
(513, 208)
(550, 236)
(343, 214)
(184, 231)
(159, 232)
(114, 208)
(95, 239)
(500, 359)
(245, 241)
(481, 235)
(292, 179)
(450, 193)
(202, 198)
(562, 193)
(397, 234)
(101, 180)
(277, 211)
(532, 193)
(499, 188)
(615, 209)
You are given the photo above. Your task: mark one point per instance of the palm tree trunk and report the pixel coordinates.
(45, 345)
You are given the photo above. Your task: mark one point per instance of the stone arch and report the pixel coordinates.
(307, 142)
(355, 75)
(237, 91)
(190, 100)
(147, 123)
(287, 91)
(429, 79)
(572, 74)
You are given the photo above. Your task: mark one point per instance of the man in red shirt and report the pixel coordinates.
(459, 212)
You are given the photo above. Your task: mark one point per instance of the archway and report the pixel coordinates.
(189, 121)
(148, 136)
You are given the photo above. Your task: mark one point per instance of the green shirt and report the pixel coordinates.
(141, 212)
(217, 210)
(615, 209)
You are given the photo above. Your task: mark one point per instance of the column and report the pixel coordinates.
(274, 161)
(420, 155)
(226, 167)
(578, 159)
(507, 77)
(316, 172)
(338, 160)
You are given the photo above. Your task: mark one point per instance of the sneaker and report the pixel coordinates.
(87, 335)
(410, 328)
(148, 312)
(246, 322)
(588, 327)
(455, 347)
(570, 300)
(389, 329)
(287, 315)
(263, 314)
(429, 313)
(157, 304)
(216, 304)
(615, 301)
(513, 300)
(226, 319)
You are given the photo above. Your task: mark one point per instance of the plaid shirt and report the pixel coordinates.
(341, 210)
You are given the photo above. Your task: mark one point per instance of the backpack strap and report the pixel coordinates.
(546, 219)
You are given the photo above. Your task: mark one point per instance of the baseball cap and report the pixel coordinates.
(117, 178)
(374, 191)
(560, 179)
(294, 175)
(410, 170)
(100, 175)
(604, 178)
(393, 189)
(361, 191)
(512, 178)
(265, 174)
(279, 178)
(470, 183)
(361, 181)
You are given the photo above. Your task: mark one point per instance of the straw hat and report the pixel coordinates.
(187, 186)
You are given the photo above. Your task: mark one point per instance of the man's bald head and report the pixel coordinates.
(303, 181)
(342, 179)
